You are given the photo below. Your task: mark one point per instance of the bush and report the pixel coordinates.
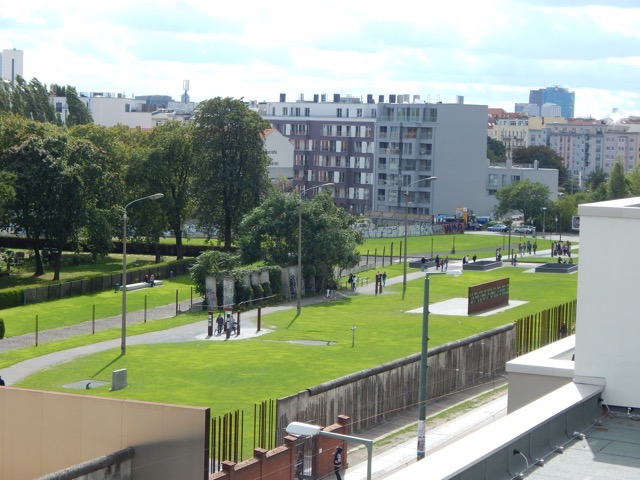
(1, 328)
(11, 298)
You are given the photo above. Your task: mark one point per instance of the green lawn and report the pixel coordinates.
(235, 375)
(71, 311)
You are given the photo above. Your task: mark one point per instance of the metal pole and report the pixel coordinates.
(123, 285)
(422, 389)
(299, 274)
(406, 223)
(544, 216)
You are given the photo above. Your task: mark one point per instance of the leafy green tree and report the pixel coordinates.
(524, 196)
(36, 165)
(169, 168)
(496, 151)
(617, 181)
(232, 173)
(546, 157)
(270, 234)
(633, 182)
(595, 178)
(78, 112)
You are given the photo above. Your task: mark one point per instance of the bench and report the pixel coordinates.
(139, 285)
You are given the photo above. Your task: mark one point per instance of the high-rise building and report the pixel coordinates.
(560, 96)
(11, 65)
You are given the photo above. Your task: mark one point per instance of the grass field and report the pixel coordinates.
(227, 376)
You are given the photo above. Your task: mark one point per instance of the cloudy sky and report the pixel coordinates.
(492, 53)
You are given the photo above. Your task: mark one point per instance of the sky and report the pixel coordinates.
(491, 53)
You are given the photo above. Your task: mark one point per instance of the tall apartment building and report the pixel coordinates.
(376, 154)
(589, 145)
(558, 95)
(11, 65)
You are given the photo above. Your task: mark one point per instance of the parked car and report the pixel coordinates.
(474, 226)
(499, 227)
(528, 229)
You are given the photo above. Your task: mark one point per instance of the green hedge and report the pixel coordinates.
(10, 298)
(1, 328)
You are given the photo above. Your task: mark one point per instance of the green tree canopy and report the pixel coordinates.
(525, 197)
(78, 111)
(546, 157)
(232, 172)
(617, 181)
(270, 234)
(496, 151)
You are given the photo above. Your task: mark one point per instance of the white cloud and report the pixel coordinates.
(491, 53)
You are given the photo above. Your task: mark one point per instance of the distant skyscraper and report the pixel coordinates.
(11, 65)
(560, 96)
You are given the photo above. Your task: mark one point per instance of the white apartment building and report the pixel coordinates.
(109, 109)
(11, 64)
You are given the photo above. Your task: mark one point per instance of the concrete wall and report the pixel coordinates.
(372, 395)
(608, 301)
(43, 432)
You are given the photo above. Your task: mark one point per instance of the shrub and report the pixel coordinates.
(11, 298)
(1, 328)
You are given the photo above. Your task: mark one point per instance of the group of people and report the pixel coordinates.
(229, 325)
(527, 247)
(559, 248)
(442, 264)
(150, 280)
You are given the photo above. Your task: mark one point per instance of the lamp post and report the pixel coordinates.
(308, 430)
(406, 227)
(556, 225)
(299, 275)
(544, 216)
(422, 389)
(155, 196)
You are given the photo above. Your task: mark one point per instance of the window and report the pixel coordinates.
(359, 112)
(307, 112)
(493, 180)
(285, 111)
(339, 112)
(59, 107)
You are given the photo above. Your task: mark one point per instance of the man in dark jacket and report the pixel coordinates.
(337, 462)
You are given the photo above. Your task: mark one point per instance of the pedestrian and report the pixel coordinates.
(229, 325)
(337, 462)
(1, 382)
(351, 281)
(384, 278)
(423, 263)
(474, 258)
(535, 247)
(219, 323)
(563, 330)
(445, 263)
(437, 262)
(355, 281)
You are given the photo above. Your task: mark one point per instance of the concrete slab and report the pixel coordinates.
(458, 307)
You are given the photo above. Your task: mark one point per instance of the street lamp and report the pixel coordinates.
(556, 225)
(155, 196)
(406, 227)
(422, 391)
(544, 216)
(307, 430)
(299, 275)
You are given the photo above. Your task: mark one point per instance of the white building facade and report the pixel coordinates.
(11, 64)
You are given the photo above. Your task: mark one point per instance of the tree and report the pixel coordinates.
(617, 181)
(524, 196)
(211, 262)
(595, 178)
(169, 168)
(270, 234)
(546, 157)
(633, 182)
(496, 151)
(78, 112)
(232, 172)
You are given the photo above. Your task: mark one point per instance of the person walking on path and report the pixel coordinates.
(1, 382)
(220, 324)
(337, 462)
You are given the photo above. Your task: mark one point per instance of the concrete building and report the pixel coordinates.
(11, 65)
(280, 150)
(377, 150)
(110, 109)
